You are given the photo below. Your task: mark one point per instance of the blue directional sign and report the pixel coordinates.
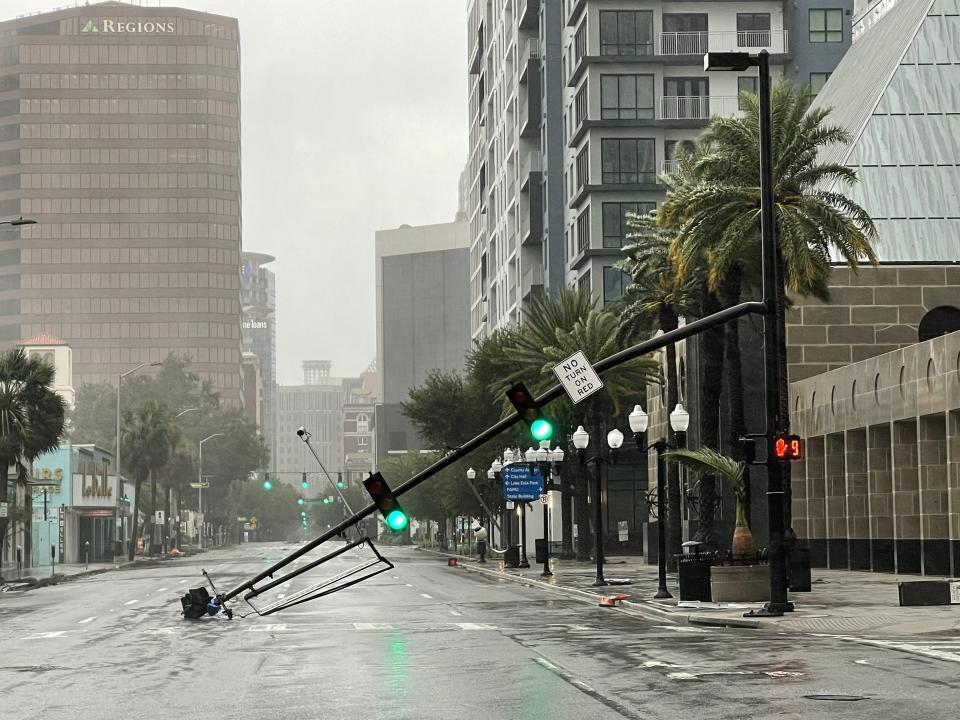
(521, 484)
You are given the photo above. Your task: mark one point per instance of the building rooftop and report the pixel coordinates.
(43, 338)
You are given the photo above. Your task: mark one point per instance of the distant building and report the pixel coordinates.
(423, 318)
(120, 136)
(258, 324)
(54, 351)
(359, 429)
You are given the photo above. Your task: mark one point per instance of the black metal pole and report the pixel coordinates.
(523, 535)
(546, 524)
(771, 345)
(662, 592)
(598, 524)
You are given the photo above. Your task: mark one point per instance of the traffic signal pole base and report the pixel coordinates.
(662, 594)
(770, 610)
(600, 582)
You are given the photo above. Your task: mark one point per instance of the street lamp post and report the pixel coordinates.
(773, 331)
(119, 476)
(581, 438)
(541, 456)
(200, 489)
(679, 422)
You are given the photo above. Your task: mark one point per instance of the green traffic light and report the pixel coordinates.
(397, 520)
(299, 501)
(305, 485)
(267, 484)
(326, 501)
(541, 429)
(340, 484)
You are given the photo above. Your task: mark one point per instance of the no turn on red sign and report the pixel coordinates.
(578, 377)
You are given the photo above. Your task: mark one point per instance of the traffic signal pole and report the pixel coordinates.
(608, 363)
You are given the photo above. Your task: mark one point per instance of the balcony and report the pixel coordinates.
(531, 280)
(530, 109)
(530, 59)
(531, 220)
(669, 166)
(531, 166)
(697, 107)
(528, 14)
(698, 43)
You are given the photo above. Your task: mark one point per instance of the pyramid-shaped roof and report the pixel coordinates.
(42, 338)
(897, 92)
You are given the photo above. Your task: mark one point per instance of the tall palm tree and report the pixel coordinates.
(657, 297)
(31, 417)
(714, 207)
(554, 328)
(147, 438)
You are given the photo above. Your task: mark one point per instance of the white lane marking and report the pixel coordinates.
(475, 626)
(281, 596)
(408, 585)
(86, 620)
(428, 597)
(395, 577)
(267, 628)
(683, 629)
(130, 602)
(45, 635)
(162, 631)
(372, 626)
(161, 589)
(454, 612)
(914, 648)
(862, 662)
(183, 581)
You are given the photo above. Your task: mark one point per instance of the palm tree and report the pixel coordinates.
(554, 328)
(147, 438)
(707, 462)
(713, 205)
(656, 297)
(31, 417)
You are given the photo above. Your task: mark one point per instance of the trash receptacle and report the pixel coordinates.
(541, 550)
(799, 570)
(694, 577)
(511, 558)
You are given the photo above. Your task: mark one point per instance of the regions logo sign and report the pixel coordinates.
(129, 26)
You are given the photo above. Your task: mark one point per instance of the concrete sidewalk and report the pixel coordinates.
(840, 602)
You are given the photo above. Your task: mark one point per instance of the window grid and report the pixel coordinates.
(628, 161)
(626, 97)
(615, 227)
(826, 25)
(626, 32)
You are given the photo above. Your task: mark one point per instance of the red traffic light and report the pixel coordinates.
(788, 447)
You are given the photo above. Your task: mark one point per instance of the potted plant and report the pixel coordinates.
(734, 583)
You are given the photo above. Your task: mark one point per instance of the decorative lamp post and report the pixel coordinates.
(200, 483)
(581, 439)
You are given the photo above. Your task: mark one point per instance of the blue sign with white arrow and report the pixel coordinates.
(519, 483)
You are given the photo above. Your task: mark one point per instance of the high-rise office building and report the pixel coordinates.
(120, 136)
(317, 406)
(258, 303)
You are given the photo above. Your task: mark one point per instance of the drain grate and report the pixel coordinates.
(836, 698)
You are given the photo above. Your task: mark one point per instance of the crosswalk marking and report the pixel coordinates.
(454, 612)
(86, 620)
(475, 626)
(372, 626)
(161, 589)
(932, 650)
(276, 627)
(46, 635)
(130, 602)
(428, 597)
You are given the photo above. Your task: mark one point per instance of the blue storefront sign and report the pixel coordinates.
(519, 483)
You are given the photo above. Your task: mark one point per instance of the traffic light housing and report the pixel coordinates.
(538, 425)
(393, 515)
(267, 485)
(300, 501)
(303, 483)
(340, 484)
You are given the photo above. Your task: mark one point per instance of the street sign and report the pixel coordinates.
(241, 519)
(544, 499)
(3, 509)
(197, 486)
(158, 517)
(578, 377)
(521, 484)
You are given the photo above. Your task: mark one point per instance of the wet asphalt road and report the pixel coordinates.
(422, 641)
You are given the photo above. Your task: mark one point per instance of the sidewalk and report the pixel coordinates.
(841, 602)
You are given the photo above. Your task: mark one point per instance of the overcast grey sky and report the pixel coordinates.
(354, 120)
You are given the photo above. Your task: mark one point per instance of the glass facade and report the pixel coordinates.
(120, 136)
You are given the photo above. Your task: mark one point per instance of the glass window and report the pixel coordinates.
(583, 167)
(626, 97)
(826, 26)
(753, 29)
(817, 81)
(746, 83)
(581, 105)
(684, 34)
(583, 282)
(614, 283)
(583, 230)
(627, 161)
(626, 32)
(615, 228)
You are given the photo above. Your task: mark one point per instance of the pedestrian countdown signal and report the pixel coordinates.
(788, 447)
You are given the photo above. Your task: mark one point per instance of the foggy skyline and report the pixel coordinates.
(353, 119)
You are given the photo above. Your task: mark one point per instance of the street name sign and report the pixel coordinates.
(521, 484)
(3, 509)
(578, 377)
(197, 486)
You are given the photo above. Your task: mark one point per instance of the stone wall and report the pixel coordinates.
(871, 312)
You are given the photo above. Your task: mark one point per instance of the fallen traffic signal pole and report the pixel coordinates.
(250, 586)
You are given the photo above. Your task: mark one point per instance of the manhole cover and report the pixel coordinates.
(836, 698)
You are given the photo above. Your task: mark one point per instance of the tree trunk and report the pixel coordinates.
(4, 521)
(711, 347)
(566, 511)
(730, 292)
(668, 322)
(134, 529)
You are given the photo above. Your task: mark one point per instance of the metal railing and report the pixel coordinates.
(698, 43)
(697, 107)
(669, 166)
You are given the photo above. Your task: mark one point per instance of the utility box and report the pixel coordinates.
(541, 550)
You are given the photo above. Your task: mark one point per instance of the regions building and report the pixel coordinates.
(423, 318)
(258, 304)
(120, 137)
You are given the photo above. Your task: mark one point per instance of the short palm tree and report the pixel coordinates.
(31, 417)
(554, 328)
(148, 438)
(707, 463)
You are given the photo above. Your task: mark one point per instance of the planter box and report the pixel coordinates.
(740, 583)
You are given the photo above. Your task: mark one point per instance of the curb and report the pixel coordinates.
(712, 621)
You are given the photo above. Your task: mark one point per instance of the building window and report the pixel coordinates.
(583, 167)
(626, 32)
(580, 42)
(628, 161)
(583, 283)
(753, 29)
(363, 420)
(583, 231)
(626, 97)
(686, 98)
(363, 441)
(614, 283)
(817, 81)
(615, 227)
(684, 34)
(581, 105)
(746, 83)
(826, 26)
